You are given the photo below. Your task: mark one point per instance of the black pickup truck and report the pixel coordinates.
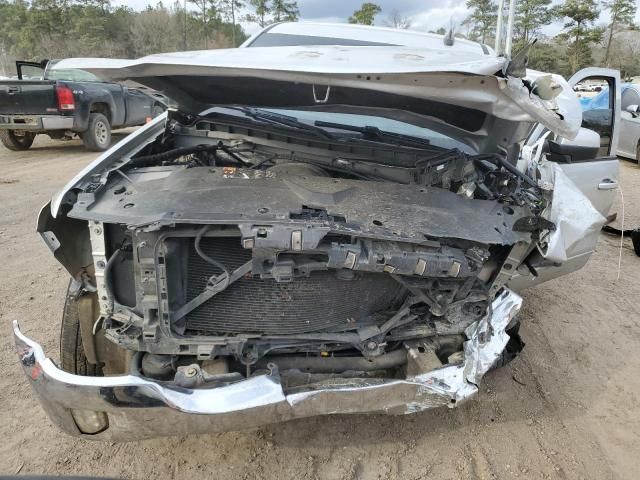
(65, 103)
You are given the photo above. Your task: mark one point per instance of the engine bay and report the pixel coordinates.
(222, 250)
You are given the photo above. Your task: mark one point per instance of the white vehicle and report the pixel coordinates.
(335, 219)
(597, 111)
(629, 143)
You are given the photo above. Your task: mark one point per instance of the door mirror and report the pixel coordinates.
(633, 110)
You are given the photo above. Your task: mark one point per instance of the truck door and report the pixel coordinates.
(139, 106)
(31, 70)
(596, 178)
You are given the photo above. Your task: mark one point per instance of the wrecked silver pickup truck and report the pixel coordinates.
(318, 229)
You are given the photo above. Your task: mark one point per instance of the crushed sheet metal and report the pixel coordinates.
(399, 67)
(488, 337)
(562, 115)
(574, 215)
(138, 408)
(454, 384)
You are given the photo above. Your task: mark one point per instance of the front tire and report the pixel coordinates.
(72, 355)
(97, 138)
(15, 142)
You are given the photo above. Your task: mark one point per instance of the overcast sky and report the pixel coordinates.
(425, 14)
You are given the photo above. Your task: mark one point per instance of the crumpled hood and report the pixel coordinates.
(322, 76)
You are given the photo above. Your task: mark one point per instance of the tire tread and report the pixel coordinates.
(9, 140)
(72, 357)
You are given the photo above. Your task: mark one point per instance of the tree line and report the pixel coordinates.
(71, 28)
(38, 29)
(583, 41)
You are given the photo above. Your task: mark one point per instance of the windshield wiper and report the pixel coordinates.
(374, 133)
(281, 119)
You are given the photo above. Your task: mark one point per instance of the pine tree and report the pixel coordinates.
(580, 31)
(285, 11)
(530, 15)
(622, 13)
(262, 11)
(366, 14)
(484, 14)
(228, 10)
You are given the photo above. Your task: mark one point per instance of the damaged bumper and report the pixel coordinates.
(128, 407)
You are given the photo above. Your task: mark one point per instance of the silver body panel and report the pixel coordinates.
(629, 124)
(138, 408)
(629, 136)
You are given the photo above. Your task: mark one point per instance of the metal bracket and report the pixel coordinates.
(515, 258)
(326, 95)
(212, 289)
(98, 251)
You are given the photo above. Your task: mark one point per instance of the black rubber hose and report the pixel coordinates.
(207, 258)
(107, 279)
(154, 159)
(496, 159)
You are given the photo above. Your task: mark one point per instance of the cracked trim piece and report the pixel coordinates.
(138, 408)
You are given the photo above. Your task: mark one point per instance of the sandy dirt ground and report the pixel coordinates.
(568, 408)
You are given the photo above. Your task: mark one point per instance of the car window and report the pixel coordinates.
(31, 72)
(601, 100)
(597, 115)
(71, 75)
(285, 40)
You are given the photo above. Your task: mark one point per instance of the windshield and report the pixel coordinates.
(360, 121)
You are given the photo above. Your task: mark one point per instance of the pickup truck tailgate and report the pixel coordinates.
(28, 97)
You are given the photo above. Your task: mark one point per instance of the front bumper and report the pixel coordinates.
(36, 123)
(134, 408)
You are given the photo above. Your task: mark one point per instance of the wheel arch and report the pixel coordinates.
(103, 108)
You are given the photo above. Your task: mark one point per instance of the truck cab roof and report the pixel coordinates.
(345, 34)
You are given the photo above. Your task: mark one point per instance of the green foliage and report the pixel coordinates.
(71, 28)
(366, 14)
(284, 11)
(622, 12)
(269, 11)
(530, 16)
(261, 13)
(580, 33)
(545, 57)
(482, 20)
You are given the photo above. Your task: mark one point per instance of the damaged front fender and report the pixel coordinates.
(67, 238)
